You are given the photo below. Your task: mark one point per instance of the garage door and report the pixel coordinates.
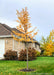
(2, 48)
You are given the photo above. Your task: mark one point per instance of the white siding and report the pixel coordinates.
(2, 48)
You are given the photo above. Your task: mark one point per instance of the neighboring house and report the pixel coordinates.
(8, 43)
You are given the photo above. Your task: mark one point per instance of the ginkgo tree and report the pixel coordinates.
(24, 26)
(48, 44)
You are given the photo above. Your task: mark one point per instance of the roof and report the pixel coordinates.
(6, 30)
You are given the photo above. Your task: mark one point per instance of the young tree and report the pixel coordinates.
(24, 26)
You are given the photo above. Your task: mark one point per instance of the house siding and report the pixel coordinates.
(11, 44)
(32, 45)
(8, 44)
(38, 48)
(18, 46)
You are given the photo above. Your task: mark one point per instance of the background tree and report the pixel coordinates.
(24, 26)
(48, 44)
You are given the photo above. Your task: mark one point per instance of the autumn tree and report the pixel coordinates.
(48, 44)
(51, 36)
(24, 26)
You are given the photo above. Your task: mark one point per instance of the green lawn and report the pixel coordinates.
(41, 64)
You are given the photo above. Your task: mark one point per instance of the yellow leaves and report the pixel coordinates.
(23, 27)
(49, 49)
(48, 53)
(17, 12)
(17, 21)
(29, 26)
(31, 31)
(23, 16)
(20, 26)
(50, 45)
(25, 8)
(52, 35)
(23, 37)
(15, 38)
(35, 33)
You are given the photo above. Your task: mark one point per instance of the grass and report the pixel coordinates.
(41, 64)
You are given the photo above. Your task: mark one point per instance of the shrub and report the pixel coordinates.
(10, 55)
(38, 53)
(31, 54)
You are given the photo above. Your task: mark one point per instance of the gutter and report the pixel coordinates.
(5, 36)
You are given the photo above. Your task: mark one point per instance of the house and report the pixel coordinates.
(8, 43)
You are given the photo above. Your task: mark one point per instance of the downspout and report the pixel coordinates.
(13, 44)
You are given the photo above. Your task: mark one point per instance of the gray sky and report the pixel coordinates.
(41, 13)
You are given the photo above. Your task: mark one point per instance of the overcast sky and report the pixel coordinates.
(41, 13)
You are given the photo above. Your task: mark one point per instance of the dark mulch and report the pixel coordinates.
(25, 70)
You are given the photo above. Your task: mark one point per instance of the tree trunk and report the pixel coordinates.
(26, 49)
(27, 58)
(27, 55)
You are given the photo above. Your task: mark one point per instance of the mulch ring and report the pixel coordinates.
(25, 70)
